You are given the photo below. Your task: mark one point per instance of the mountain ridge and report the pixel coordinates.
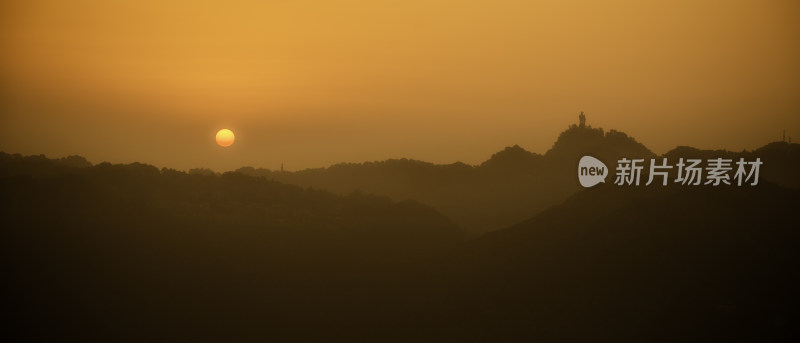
(141, 254)
(511, 185)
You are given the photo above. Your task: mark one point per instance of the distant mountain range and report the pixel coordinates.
(133, 253)
(514, 184)
(71, 189)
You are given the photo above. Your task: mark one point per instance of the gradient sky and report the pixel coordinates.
(311, 83)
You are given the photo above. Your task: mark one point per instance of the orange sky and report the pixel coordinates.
(310, 83)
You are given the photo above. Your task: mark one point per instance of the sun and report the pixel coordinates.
(225, 137)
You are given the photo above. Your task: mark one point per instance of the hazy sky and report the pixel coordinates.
(311, 83)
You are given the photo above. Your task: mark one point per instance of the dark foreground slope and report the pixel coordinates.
(130, 253)
(634, 264)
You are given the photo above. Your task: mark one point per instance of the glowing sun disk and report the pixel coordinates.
(225, 137)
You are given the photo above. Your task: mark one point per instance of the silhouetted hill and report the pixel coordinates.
(632, 264)
(513, 158)
(581, 141)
